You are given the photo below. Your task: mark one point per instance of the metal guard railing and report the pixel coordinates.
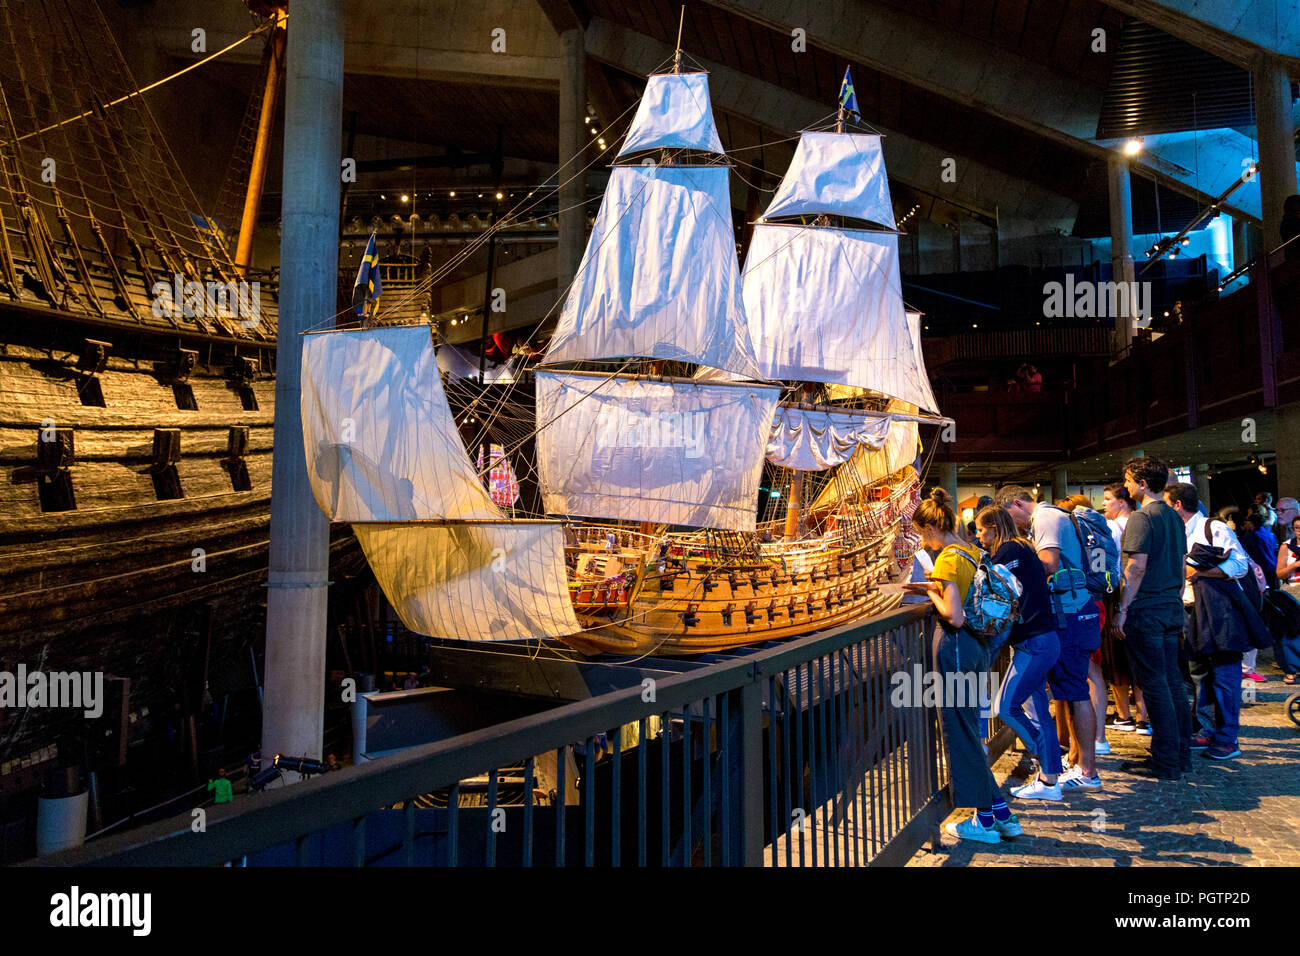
(791, 755)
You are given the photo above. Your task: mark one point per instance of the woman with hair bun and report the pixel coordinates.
(959, 652)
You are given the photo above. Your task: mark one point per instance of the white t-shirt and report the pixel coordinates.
(1117, 526)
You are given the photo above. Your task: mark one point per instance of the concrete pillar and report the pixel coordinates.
(1201, 478)
(948, 480)
(573, 136)
(1286, 424)
(293, 717)
(1275, 130)
(1121, 245)
(1060, 483)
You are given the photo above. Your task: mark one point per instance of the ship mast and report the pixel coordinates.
(262, 147)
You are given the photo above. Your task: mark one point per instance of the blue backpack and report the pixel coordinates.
(992, 604)
(1100, 555)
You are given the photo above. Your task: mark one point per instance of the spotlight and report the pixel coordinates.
(303, 765)
(1133, 146)
(405, 198)
(501, 196)
(453, 194)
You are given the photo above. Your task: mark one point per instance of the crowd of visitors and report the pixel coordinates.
(1152, 603)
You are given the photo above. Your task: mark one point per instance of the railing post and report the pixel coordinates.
(751, 769)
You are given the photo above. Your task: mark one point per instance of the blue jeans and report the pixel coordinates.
(1031, 659)
(1218, 696)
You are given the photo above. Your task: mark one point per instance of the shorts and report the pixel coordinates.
(1068, 678)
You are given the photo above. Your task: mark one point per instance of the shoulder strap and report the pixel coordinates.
(964, 553)
(1208, 536)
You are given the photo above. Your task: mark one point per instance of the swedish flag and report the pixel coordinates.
(367, 285)
(849, 99)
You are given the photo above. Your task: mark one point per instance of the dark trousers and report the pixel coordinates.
(1152, 637)
(968, 769)
(1218, 696)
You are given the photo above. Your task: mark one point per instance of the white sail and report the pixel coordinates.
(665, 452)
(675, 113)
(826, 305)
(841, 174)
(867, 466)
(380, 440)
(814, 440)
(659, 278)
(490, 581)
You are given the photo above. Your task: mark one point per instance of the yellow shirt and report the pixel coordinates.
(949, 566)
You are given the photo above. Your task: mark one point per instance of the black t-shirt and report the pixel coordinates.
(1035, 600)
(1156, 531)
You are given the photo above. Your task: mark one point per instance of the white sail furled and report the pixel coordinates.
(675, 113)
(826, 305)
(814, 440)
(867, 466)
(667, 452)
(380, 440)
(477, 581)
(659, 278)
(839, 174)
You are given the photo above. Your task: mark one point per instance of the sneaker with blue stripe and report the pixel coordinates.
(1076, 780)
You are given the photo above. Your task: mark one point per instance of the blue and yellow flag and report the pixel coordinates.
(367, 285)
(849, 99)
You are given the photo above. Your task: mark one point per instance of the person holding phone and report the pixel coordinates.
(959, 652)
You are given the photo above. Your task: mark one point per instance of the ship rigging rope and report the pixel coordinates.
(152, 86)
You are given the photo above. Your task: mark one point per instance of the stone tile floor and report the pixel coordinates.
(1244, 811)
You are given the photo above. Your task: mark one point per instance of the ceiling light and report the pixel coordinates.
(500, 196)
(453, 194)
(405, 198)
(1133, 146)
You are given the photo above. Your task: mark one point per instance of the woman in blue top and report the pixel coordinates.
(1035, 646)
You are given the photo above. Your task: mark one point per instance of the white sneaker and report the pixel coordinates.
(1036, 789)
(1102, 747)
(1075, 780)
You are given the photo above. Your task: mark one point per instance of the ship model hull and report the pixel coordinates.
(701, 597)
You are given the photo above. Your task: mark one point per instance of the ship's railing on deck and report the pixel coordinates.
(793, 755)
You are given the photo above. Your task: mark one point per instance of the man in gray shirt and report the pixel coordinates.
(1150, 616)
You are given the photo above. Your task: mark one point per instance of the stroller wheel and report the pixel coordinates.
(1293, 708)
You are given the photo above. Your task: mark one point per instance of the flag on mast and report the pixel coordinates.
(848, 98)
(367, 286)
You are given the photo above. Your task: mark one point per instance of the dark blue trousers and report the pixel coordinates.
(1218, 696)
(973, 784)
(1152, 637)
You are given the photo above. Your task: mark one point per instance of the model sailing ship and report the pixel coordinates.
(669, 380)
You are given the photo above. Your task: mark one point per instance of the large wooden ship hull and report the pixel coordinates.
(686, 593)
(133, 534)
